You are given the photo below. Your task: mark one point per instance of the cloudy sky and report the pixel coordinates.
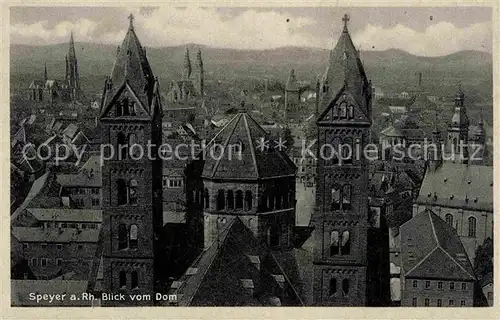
(421, 31)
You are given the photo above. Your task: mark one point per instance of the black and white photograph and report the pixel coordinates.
(199, 156)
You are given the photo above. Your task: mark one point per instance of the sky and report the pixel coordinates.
(420, 31)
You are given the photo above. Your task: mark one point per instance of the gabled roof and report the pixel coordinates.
(344, 96)
(432, 249)
(453, 183)
(255, 162)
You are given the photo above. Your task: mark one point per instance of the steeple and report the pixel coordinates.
(186, 72)
(460, 119)
(45, 73)
(345, 69)
(72, 75)
(291, 84)
(131, 68)
(199, 74)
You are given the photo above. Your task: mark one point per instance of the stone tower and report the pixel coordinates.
(292, 95)
(186, 71)
(458, 129)
(198, 75)
(340, 219)
(72, 74)
(132, 198)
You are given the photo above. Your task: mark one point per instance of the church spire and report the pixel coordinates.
(45, 73)
(186, 72)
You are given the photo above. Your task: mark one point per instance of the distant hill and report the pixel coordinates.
(392, 70)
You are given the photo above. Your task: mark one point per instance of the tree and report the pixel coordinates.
(483, 263)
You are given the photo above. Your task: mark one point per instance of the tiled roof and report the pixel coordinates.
(254, 162)
(36, 188)
(453, 183)
(432, 249)
(216, 277)
(37, 234)
(81, 179)
(345, 67)
(66, 214)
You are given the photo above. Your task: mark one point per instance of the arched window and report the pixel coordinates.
(334, 243)
(134, 280)
(347, 151)
(270, 205)
(335, 111)
(132, 194)
(125, 107)
(248, 199)
(472, 227)
(335, 203)
(325, 86)
(119, 109)
(132, 141)
(333, 286)
(230, 199)
(207, 199)
(275, 234)
(350, 112)
(335, 152)
(121, 189)
(123, 280)
(197, 196)
(239, 200)
(133, 236)
(345, 287)
(278, 200)
(346, 243)
(122, 145)
(132, 108)
(343, 110)
(122, 236)
(263, 203)
(221, 199)
(449, 219)
(346, 197)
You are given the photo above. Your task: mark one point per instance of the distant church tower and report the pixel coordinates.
(72, 74)
(458, 129)
(292, 95)
(186, 71)
(340, 219)
(198, 75)
(132, 195)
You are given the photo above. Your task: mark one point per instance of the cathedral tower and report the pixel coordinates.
(341, 215)
(186, 71)
(72, 74)
(132, 209)
(199, 75)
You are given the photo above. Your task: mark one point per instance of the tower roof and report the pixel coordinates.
(71, 51)
(460, 119)
(186, 72)
(345, 67)
(199, 60)
(131, 70)
(245, 134)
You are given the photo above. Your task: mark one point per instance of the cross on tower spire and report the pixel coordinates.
(345, 19)
(131, 18)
